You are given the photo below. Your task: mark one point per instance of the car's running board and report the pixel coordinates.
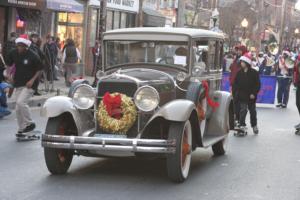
(210, 140)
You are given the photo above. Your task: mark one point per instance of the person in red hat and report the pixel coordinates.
(296, 80)
(246, 88)
(28, 66)
(234, 68)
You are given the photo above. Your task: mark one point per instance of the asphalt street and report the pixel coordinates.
(263, 167)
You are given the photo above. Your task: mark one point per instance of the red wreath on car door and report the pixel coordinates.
(213, 104)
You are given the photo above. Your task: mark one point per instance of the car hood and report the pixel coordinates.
(143, 76)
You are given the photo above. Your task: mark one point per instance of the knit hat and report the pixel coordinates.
(24, 40)
(247, 58)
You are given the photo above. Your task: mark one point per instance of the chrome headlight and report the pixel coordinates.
(146, 98)
(83, 97)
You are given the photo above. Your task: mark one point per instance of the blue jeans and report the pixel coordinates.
(283, 91)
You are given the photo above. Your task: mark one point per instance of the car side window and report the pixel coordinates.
(221, 52)
(212, 54)
(200, 49)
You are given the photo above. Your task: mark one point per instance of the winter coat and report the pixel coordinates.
(245, 84)
(296, 78)
(234, 68)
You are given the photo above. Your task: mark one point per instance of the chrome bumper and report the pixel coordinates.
(108, 144)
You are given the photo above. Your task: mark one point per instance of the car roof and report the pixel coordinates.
(188, 32)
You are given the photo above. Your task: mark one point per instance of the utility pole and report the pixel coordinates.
(282, 24)
(102, 26)
(180, 13)
(141, 14)
(260, 24)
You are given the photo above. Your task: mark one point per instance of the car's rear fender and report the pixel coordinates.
(220, 120)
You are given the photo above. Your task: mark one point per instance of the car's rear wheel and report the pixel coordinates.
(178, 164)
(58, 161)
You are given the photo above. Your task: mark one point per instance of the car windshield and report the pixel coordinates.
(165, 53)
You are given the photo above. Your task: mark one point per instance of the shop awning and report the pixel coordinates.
(153, 18)
(32, 4)
(65, 6)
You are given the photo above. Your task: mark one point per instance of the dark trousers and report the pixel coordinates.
(298, 98)
(236, 107)
(283, 90)
(244, 107)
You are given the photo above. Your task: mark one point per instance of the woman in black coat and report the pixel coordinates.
(246, 87)
(2, 65)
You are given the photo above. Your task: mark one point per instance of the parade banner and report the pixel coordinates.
(267, 90)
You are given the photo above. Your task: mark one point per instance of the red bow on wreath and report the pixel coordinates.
(210, 102)
(113, 105)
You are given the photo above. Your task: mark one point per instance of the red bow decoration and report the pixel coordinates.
(210, 102)
(113, 105)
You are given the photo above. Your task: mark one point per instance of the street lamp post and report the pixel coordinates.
(244, 25)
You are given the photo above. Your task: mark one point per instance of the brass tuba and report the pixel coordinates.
(273, 48)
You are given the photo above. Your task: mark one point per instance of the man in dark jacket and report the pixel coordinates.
(51, 52)
(28, 68)
(297, 85)
(247, 86)
(35, 47)
(234, 68)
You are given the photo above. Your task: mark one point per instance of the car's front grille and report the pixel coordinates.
(126, 87)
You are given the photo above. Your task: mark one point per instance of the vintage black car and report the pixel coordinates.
(158, 94)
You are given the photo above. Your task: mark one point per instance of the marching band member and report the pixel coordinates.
(284, 78)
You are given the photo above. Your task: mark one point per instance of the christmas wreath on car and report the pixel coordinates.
(117, 113)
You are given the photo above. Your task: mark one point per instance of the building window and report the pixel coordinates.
(116, 20)
(123, 20)
(109, 20)
(130, 20)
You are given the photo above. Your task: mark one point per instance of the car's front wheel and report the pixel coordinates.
(178, 164)
(58, 161)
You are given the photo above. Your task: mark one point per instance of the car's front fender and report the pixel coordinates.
(56, 106)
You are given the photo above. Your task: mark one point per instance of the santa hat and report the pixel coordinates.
(24, 39)
(247, 58)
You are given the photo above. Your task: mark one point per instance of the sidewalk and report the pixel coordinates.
(60, 89)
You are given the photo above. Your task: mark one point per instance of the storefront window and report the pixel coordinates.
(116, 20)
(123, 20)
(62, 17)
(109, 20)
(75, 18)
(70, 27)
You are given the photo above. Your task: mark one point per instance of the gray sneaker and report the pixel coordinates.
(255, 130)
